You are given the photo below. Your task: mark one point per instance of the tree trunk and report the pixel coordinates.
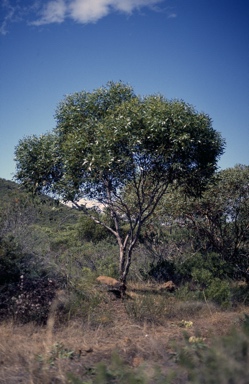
(121, 262)
(126, 263)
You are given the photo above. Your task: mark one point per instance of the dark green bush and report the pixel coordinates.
(207, 274)
(210, 262)
(88, 230)
(219, 291)
(13, 262)
(162, 271)
(240, 293)
(27, 284)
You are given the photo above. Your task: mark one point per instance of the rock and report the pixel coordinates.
(114, 286)
(168, 286)
(108, 281)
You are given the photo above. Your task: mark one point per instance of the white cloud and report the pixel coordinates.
(53, 12)
(57, 11)
(129, 5)
(87, 11)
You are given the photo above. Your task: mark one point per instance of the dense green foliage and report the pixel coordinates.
(217, 223)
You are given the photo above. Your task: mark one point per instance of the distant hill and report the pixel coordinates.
(10, 189)
(7, 188)
(49, 211)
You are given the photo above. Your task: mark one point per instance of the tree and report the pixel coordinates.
(124, 151)
(218, 221)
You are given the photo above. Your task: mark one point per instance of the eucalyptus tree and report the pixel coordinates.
(123, 151)
(215, 222)
(219, 219)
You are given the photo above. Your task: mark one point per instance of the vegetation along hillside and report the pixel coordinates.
(51, 255)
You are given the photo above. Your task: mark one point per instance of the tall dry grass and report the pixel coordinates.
(142, 330)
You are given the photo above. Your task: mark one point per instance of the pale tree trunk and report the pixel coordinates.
(126, 267)
(125, 258)
(121, 262)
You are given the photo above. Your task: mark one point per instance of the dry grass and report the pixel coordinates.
(32, 354)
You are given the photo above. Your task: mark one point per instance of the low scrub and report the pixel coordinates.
(29, 300)
(225, 361)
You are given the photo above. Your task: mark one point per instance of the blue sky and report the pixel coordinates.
(195, 50)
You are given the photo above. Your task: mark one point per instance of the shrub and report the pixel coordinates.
(240, 293)
(207, 275)
(27, 283)
(35, 300)
(118, 372)
(12, 261)
(219, 291)
(226, 361)
(29, 300)
(88, 230)
(162, 271)
(210, 262)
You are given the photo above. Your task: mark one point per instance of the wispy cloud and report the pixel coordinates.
(41, 12)
(87, 11)
(172, 15)
(9, 11)
(13, 11)
(53, 12)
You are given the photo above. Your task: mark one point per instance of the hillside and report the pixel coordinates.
(49, 211)
(58, 325)
(7, 189)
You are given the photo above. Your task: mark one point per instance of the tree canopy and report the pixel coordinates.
(123, 151)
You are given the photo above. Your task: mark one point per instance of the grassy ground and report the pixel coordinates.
(137, 340)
